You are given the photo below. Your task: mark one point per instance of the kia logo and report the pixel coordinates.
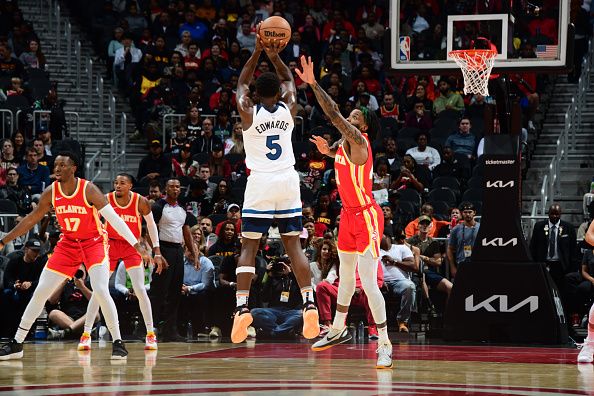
(503, 305)
(498, 242)
(499, 184)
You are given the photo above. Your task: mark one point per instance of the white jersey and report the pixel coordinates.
(267, 142)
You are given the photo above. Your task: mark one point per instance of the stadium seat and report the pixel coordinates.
(475, 182)
(447, 181)
(412, 196)
(443, 194)
(473, 195)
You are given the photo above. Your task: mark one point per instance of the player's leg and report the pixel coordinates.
(100, 283)
(288, 216)
(338, 333)
(84, 344)
(49, 281)
(300, 267)
(245, 271)
(136, 274)
(255, 221)
(587, 352)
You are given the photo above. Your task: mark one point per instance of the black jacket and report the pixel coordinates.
(566, 244)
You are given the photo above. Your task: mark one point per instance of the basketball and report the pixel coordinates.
(275, 27)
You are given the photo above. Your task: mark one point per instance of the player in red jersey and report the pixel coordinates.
(77, 204)
(131, 207)
(361, 220)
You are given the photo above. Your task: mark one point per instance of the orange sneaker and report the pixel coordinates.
(241, 321)
(151, 341)
(311, 321)
(403, 327)
(85, 342)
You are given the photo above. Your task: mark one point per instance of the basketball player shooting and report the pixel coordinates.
(361, 220)
(272, 190)
(131, 207)
(77, 204)
(587, 352)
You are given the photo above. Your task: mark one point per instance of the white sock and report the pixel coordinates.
(383, 335)
(339, 320)
(242, 297)
(137, 277)
(100, 283)
(49, 281)
(307, 294)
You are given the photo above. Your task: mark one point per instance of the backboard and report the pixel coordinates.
(529, 35)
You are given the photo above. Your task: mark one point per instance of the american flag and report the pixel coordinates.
(546, 51)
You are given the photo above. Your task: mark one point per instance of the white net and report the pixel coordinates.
(476, 68)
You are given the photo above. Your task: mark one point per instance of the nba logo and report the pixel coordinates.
(405, 48)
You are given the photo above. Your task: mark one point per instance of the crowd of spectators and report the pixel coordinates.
(184, 57)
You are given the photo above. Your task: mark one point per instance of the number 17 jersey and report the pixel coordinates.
(78, 219)
(267, 142)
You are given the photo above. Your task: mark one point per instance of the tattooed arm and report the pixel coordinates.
(348, 131)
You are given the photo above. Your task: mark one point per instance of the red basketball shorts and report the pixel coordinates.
(361, 229)
(69, 254)
(120, 249)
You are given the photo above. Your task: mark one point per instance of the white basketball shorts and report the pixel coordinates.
(271, 196)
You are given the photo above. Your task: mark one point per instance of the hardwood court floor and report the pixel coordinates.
(56, 368)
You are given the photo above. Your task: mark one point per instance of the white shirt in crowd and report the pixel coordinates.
(316, 275)
(397, 253)
(429, 157)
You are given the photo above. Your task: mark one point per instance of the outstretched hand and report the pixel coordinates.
(307, 75)
(321, 144)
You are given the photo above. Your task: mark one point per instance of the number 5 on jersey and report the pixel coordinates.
(275, 148)
(72, 224)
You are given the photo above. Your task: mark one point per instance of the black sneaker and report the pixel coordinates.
(119, 351)
(11, 350)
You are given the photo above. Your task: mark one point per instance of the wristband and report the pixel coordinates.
(157, 255)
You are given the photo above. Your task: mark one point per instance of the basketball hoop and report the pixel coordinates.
(476, 65)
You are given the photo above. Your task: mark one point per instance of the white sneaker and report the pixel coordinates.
(587, 352)
(251, 332)
(215, 332)
(85, 342)
(384, 356)
(332, 338)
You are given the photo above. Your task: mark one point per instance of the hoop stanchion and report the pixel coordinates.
(476, 68)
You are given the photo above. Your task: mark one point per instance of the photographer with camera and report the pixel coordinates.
(282, 318)
(70, 302)
(20, 279)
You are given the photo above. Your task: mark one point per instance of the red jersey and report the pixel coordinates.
(394, 113)
(354, 181)
(128, 213)
(78, 219)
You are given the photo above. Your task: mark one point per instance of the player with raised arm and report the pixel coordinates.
(131, 207)
(361, 220)
(272, 190)
(77, 204)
